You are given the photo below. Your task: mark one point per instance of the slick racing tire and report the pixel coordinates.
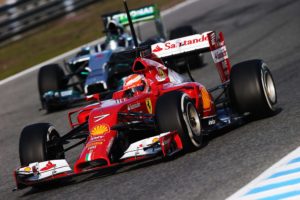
(176, 112)
(252, 88)
(37, 144)
(50, 78)
(194, 61)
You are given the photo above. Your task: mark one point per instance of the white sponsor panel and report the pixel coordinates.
(41, 170)
(181, 45)
(219, 54)
(141, 148)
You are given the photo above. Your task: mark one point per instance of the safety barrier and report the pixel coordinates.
(26, 14)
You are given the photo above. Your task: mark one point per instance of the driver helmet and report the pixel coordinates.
(134, 84)
(114, 28)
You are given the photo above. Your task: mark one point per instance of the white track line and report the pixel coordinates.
(69, 53)
(52, 60)
(241, 194)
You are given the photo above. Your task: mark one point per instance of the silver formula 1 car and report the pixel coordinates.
(99, 69)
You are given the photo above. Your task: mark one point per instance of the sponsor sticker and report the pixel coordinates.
(154, 140)
(100, 117)
(157, 49)
(213, 38)
(181, 45)
(91, 148)
(91, 144)
(161, 76)
(100, 130)
(149, 105)
(27, 169)
(134, 106)
(99, 137)
(137, 15)
(49, 166)
(219, 54)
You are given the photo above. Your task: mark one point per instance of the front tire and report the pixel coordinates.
(252, 88)
(50, 78)
(176, 112)
(36, 144)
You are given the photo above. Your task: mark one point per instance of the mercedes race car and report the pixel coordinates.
(100, 69)
(156, 113)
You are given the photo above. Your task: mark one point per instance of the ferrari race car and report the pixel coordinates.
(100, 69)
(155, 113)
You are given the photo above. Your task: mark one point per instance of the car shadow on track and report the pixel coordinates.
(99, 174)
(247, 120)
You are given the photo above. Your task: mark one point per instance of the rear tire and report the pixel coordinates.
(34, 144)
(252, 88)
(50, 78)
(176, 112)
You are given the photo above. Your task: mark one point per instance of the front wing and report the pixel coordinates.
(165, 144)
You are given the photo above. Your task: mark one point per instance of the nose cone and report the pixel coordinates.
(97, 148)
(96, 151)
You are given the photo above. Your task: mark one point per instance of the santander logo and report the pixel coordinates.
(186, 42)
(49, 165)
(181, 42)
(157, 49)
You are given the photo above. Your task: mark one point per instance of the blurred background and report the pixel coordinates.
(32, 31)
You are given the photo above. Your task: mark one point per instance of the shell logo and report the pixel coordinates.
(27, 169)
(154, 140)
(100, 130)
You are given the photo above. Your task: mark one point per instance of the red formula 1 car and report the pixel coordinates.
(156, 113)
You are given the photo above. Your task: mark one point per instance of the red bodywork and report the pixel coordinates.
(104, 115)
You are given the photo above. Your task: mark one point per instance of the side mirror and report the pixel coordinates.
(93, 97)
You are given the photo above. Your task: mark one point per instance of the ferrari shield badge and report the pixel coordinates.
(149, 105)
(161, 76)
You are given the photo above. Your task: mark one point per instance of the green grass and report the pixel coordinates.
(62, 35)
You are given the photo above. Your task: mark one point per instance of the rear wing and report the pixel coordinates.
(143, 14)
(195, 44)
(146, 13)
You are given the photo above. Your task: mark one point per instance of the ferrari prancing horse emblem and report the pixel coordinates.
(149, 105)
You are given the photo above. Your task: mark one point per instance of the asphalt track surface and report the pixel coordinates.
(253, 29)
